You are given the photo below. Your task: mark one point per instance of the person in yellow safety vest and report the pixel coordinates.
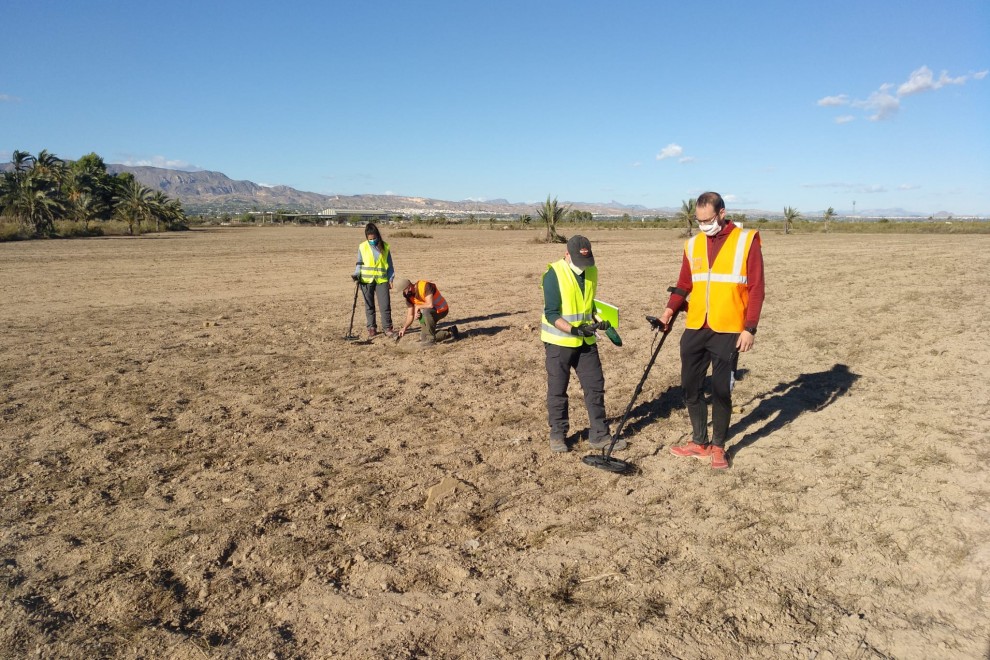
(374, 273)
(722, 269)
(424, 302)
(568, 333)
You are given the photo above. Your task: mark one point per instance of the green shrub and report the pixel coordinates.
(405, 233)
(12, 231)
(73, 229)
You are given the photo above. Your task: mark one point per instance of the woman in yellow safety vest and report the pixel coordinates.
(374, 273)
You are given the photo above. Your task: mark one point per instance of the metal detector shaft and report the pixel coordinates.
(639, 386)
(350, 328)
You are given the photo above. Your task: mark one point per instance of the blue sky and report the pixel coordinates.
(772, 104)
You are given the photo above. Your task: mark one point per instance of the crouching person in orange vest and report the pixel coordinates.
(424, 302)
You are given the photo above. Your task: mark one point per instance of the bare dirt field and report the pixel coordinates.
(197, 464)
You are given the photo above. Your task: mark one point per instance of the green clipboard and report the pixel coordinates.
(607, 312)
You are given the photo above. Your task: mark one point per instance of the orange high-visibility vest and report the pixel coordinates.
(418, 297)
(719, 291)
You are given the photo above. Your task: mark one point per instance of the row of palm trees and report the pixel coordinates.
(551, 213)
(43, 189)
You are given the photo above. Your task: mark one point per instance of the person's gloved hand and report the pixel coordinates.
(583, 330)
(354, 277)
(603, 325)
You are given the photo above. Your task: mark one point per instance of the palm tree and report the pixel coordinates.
(32, 202)
(686, 214)
(828, 215)
(133, 203)
(165, 209)
(790, 215)
(30, 193)
(551, 213)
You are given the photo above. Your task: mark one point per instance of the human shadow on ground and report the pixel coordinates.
(806, 393)
(484, 332)
(486, 317)
(648, 412)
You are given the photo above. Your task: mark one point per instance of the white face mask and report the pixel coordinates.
(577, 271)
(710, 229)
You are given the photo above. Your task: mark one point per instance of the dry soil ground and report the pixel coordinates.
(197, 464)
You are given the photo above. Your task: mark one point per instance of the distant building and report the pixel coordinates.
(354, 215)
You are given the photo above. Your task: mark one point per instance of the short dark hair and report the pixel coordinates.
(712, 199)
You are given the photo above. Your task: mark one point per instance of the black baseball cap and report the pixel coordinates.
(579, 248)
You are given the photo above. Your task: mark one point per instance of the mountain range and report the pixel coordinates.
(210, 193)
(215, 192)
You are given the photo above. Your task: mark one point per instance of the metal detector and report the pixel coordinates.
(604, 461)
(350, 329)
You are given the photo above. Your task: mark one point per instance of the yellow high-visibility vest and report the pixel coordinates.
(719, 292)
(576, 307)
(373, 270)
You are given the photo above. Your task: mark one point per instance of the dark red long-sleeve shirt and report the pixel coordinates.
(754, 274)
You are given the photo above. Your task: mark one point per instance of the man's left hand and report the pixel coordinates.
(745, 341)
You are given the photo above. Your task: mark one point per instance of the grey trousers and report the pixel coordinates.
(380, 291)
(588, 367)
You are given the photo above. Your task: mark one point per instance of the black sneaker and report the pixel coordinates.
(455, 333)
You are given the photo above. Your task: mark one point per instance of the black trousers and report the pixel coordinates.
(699, 349)
(371, 291)
(588, 367)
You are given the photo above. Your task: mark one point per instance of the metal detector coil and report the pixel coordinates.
(604, 461)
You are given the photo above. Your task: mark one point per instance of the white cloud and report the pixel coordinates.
(687, 159)
(885, 102)
(672, 150)
(161, 161)
(923, 80)
(831, 101)
(637, 164)
(908, 186)
(881, 103)
(730, 199)
(8, 98)
(861, 188)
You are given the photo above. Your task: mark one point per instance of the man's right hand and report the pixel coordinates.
(668, 314)
(583, 330)
(354, 277)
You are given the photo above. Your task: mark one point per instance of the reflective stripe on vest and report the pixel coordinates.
(419, 297)
(719, 293)
(373, 270)
(576, 307)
